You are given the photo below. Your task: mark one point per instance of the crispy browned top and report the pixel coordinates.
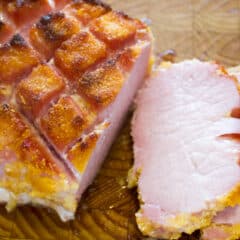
(63, 68)
(103, 84)
(16, 59)
(51, 30)
(20, 143)
(38, 89)
(86, 11)
(78, 53)
(64, 122)
(114, 28)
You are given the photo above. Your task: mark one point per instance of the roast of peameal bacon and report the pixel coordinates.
(68, 73)
(186, 132)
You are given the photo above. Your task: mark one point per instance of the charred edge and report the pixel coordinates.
(47, 19)
(18, 40)
(95, 2)
(89, 78)
(45, 25)
(5, 107)
(84, 144)
(77, 121)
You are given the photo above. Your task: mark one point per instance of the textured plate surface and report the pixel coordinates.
(194, 28)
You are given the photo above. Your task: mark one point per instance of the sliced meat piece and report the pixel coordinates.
(37, 90)
(226, 224)
(186, 154)
(88, 10)
(74, 89)
(25, 11)
(16, 60)
(114, 28)
(29, 172)
(78, 53)
(52, 29)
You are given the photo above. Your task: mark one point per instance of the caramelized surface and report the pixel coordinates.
(64, 122)
(81, 152)
(52, 29)
(19, 143)
(38, 89)
(78, 53)
(16, 60)
(114, 28)
(24, 11)
(103, 84)
(86, 11)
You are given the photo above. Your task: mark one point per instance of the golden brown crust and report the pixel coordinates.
(16, 59)
(38, 89)
(81, 152)
(78, 53)
(64, 123)
(86, 11)
(18, 10)
(51, 30)
(114, 28)
(19, 142)
(103, 84)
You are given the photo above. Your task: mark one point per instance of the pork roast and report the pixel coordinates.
(68, 73)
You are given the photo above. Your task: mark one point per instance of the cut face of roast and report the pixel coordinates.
(226, 224)
(67, 79)
(186, 147)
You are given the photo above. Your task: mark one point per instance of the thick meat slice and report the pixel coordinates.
(16, 60)
(226, 224)
(37, 90)
(74, 86)
(30, 173)
(52, 29)
(186, 148)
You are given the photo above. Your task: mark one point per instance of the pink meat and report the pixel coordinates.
(230, 216)
(185, 158)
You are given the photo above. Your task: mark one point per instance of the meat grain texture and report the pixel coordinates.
(68, 74)
(186, 147)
